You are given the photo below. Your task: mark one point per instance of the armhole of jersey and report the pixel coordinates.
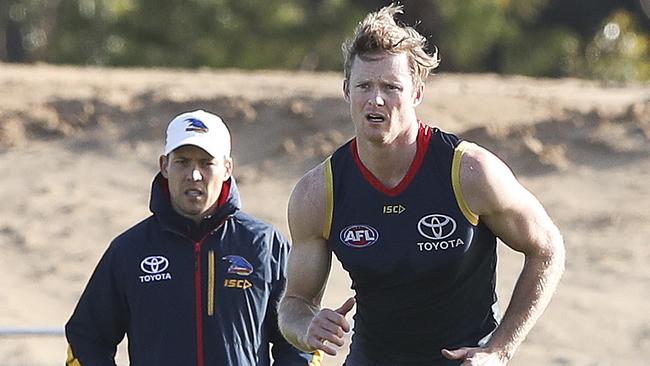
(329, 198)
(72, 359)
(455, 182)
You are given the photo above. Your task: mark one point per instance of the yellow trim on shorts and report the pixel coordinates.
(71, 360)
(329, 198)
(317, 359)
(455, 182)
(210, 282)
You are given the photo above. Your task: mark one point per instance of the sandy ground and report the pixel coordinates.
(79, 147)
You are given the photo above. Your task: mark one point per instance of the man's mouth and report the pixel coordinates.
(193, 192)
(375, 117)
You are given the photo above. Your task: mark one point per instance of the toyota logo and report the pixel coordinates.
(436, 226)
(154, 264)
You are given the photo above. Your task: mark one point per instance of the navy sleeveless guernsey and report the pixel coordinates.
(421, 263)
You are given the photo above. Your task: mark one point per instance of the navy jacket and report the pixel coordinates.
(187, 294)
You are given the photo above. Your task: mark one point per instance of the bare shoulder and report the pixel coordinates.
(512, 212)
(487, 182)
(307, 203)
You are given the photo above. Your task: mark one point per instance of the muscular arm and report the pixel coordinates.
(301, 320)
(519, 220)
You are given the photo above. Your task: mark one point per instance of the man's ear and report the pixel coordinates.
(228, 163)
(162, 161)
(346, 90)
(418, 95)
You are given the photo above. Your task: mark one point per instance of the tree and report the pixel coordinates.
(609, 39)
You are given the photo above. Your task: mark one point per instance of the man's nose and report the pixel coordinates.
(195, 175)
(376, 99)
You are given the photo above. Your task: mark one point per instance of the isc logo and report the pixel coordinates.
(359, 236)
(394, 209)
(235, 283)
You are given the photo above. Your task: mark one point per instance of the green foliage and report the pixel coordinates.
(609, 40)
(470, 30)
(551, 52)
(524, 37)
(193, 33)
(618, 52)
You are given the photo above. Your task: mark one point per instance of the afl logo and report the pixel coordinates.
(359, 236)
(154, 264)
(436, 226)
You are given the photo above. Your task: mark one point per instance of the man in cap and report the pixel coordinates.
(197, 282)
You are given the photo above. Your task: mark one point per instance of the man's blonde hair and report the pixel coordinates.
(380, 32)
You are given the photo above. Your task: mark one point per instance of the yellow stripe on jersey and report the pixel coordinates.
(455, 182)
(210, 282)
(329, 198)
(72, 360)
(317, 359)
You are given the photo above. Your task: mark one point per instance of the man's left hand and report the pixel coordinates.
(475, 356)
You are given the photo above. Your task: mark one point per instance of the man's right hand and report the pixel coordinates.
(328, 327)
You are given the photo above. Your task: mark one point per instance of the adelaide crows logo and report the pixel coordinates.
(196, 125)
(238, 265)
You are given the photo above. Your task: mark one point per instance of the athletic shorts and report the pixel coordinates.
(358, 359)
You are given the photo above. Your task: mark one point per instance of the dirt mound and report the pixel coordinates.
(306, 130)
(579, 139)
(294, 127)
(81, 118)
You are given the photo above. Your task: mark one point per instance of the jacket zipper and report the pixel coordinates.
(199, 294)
(198, 302)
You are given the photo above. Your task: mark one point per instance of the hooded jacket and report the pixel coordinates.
(187, 294)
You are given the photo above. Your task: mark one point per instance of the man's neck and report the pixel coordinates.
(389, 162)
